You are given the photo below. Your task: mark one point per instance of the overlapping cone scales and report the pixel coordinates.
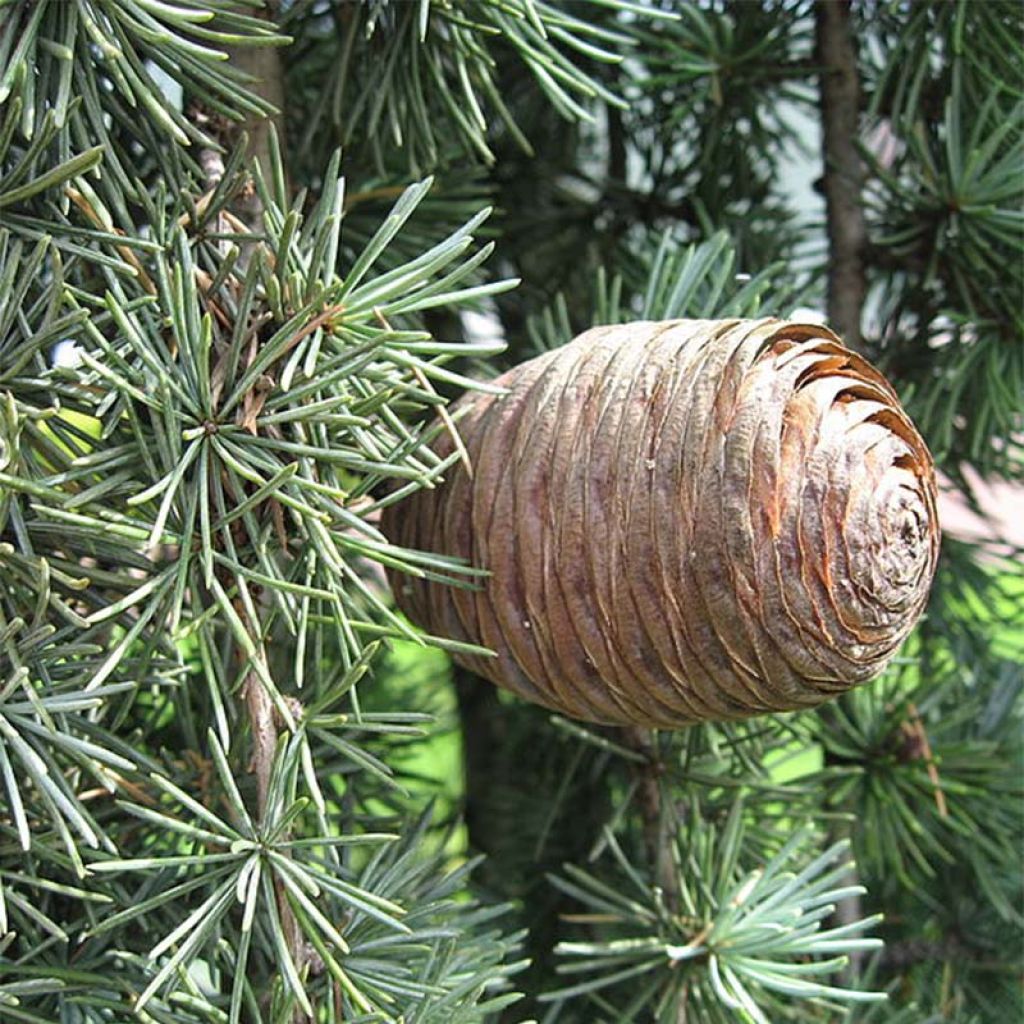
(684, 521)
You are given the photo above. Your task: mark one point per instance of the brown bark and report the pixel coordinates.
(659, 823)
(263, 727)
(844, 173)
(660, 826)
(264, 64)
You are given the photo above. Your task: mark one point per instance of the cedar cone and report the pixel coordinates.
(683, 521)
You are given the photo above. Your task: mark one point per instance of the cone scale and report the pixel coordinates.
(683, 521)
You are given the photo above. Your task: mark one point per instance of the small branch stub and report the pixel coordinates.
(683, 521)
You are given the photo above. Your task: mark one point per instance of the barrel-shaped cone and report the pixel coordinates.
(683, 521)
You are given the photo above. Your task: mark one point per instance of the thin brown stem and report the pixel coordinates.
(263, 726)
(659, 826)
(844, 172)
(916, 730)
(657, 831)
(264, 64)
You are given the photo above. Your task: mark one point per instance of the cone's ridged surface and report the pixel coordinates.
(684, 521)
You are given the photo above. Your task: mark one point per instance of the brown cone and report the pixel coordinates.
(684, 521)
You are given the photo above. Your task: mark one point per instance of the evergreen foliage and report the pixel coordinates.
(230, 787)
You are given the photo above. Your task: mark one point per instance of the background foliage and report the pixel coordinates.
(231, 775)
